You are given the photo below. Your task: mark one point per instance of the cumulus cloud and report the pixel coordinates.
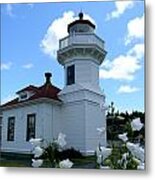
(5, 66)
(137, 51)
(28, 66)
(57, 30)
(120, 8)
(135, 29)
(127, 89)
(123, 67)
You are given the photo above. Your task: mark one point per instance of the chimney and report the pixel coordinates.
(48, 76)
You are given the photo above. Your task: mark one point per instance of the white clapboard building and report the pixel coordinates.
(77, 110)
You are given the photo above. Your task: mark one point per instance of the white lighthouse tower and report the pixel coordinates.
(81, 53)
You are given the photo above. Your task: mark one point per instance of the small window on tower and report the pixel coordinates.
(70, 75)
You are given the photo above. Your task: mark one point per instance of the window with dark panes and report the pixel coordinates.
(11, 129)
(70, 75)
(23, 96)
(31, 121)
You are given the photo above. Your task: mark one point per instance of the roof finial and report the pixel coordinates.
(81, 15)
(48, 77)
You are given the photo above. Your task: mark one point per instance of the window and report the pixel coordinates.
(31, 118)
(23, 96)
(70, 75)
(11, 128)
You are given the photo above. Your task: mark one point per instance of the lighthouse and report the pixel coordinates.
(77, 110)
(81, 53)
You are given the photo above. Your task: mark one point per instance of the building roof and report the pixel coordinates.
(45, 91)
(48, 91)
(28, 88)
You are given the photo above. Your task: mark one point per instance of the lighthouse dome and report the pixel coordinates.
(81, 25)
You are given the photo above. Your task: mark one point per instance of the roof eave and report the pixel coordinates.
(30, 102)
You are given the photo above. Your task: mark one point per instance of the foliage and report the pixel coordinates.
(69, 153)
(121, 158)
(125, 153)
(50, 152)
(119, 122)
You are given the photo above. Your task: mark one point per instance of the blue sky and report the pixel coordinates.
(29, 40)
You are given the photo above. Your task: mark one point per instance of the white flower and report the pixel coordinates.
(37, 163)
(101, 130)
(38, 151)
(99, 159)
(141, 166)
(136, 150)
(98, 151)
(35, 142)
(65, 164)
(61, 140)
(105, 152)
(124, 160)
(136, 124)
(123, 137)
(124, 156)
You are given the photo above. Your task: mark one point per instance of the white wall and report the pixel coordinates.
(82, 115)
(47, 117)
(73, 121)
(95, 118)
(78, 117)
(86, 71)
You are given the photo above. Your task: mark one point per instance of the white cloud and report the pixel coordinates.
(137, 51)
(106, 64)
(58, 30)
(28, 66)
(121, 7)
(9, 10)
(127, 89)
(123, 67)
(135, 29)
(5, 66)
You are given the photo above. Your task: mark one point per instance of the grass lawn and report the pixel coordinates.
(12, 164)
(85, 162)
